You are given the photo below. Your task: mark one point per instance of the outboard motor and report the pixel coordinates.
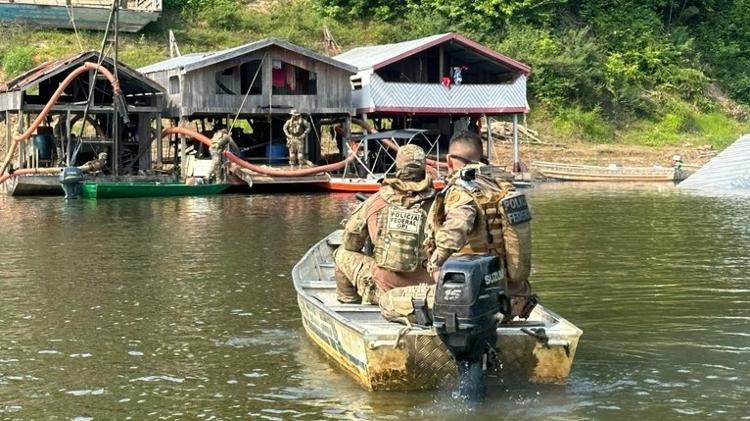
(468, 302)
(71, 180)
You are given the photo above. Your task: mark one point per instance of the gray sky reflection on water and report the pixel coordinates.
(183, 308)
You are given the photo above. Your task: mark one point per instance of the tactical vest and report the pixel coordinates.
(398, 247)
(503, 225)
(296, 128)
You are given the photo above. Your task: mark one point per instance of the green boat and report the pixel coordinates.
(100, 190)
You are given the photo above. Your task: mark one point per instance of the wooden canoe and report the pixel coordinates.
(148, 189)
(575, 172)
(388, 356)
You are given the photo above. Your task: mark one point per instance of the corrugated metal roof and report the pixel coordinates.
(190, 62)
(367, 57)
(38, 72)
(727, 171)
(50, 68)
(174, 63)
(378, 56)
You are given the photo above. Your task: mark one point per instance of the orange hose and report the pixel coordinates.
(271, 172)
(85, 67)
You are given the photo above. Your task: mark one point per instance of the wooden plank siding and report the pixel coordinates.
(198, 89)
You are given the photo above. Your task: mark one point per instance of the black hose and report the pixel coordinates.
(361, 196)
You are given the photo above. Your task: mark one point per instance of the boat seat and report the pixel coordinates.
(523, 323)
(358, 308)
(318, 285)
(335, 239)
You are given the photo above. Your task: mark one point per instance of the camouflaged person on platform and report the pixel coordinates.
(296, 130)
(219, 142)
(392, 222)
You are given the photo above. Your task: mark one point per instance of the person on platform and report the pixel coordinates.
(296, 130)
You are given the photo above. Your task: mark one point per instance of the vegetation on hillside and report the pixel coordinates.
(659, 72)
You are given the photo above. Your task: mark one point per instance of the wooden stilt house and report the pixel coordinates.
(66, 137)
(443, 82)
(256, 86)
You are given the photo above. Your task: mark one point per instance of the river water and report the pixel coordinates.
(183, 308)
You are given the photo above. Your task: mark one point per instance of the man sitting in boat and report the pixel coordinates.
(393, 221)
(477, 214)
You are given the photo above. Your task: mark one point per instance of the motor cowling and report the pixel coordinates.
(71, 181)
(468, 300)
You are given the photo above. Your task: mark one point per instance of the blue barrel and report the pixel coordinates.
(278, 153)
(44, 143)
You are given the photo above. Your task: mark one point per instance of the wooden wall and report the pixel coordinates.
(198, 93)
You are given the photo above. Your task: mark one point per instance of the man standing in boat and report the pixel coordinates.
(393, 221)
(296, 130)
(477, 214)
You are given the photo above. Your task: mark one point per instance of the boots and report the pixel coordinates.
(346, 293)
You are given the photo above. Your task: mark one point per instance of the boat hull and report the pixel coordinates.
(572, 172)
(357, 185)
(58, 16)
(32, 185)
(390, 356)
(145, 189)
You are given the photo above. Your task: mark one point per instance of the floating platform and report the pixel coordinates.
(32, 185)
(87, 14)
(252, 178)
(102, 190)
(357, 185)
(49, 184)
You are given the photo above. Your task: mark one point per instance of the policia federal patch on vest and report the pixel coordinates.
(516, 209)
(404, 220)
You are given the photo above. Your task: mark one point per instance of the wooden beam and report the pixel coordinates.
(159, 145)
(92, 109)
(183, 147)
(442, 63)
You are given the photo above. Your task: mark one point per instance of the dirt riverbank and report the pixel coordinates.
(604, 154)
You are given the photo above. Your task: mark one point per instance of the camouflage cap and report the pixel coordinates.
(410, 156)
(410, 163)
(294, 112)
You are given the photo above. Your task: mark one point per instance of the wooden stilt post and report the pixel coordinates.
(183, 148)
(144, 142)
(367, 152)
(8, 131)
(22, 148)
(516, 159)
(489, 137)
(159, 145)
(68, 140)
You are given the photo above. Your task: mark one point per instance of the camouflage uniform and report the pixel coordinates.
(219, 143)
(358, 274)
(296, 130)
(457, 226)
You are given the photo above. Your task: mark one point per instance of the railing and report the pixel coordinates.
(139, 5)
(424, 95)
